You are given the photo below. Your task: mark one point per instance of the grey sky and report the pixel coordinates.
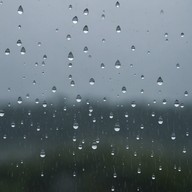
(142, 26)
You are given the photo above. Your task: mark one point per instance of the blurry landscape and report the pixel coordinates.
(95, 147)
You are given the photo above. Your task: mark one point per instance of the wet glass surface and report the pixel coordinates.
(95, 96)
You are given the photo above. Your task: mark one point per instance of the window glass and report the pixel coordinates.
(95, 95)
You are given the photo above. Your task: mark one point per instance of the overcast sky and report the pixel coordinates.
(142, 24)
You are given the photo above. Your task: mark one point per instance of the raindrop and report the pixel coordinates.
(118, 29)
(42, 154)
(117, 4)
(117, 64)
(7, 51)
(2, 113)
(133, 48)
(75, 20)
(78, 98)
(173, 136)
(70, 56)
(164, 101)
(19, 100)
(124, 90)
(166, 34)
(23, 51)
(68, 37)
(176, 104)
(102, 65)
(20, 10)
(72, 83)
(86, 11)
(160, 121)
(103, 16)
(117, 127)
(182, 34)
(94, 145)
(85, 50)
(153, 177)
(19, 42)
(186, 93)
(85, 29)
(54, 89)
(44, 104)
(133, 104)
(160, 81)
(75, 125)
(177, 65)
(91, 81)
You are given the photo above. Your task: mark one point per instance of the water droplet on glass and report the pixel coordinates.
(102, 65)
(91, 81)
(124, 90)
(68, 37)
(7, 51)
(176, 104)
(173, 136)
(186, 93)
(182, 34)
(78, 98)
(117, 64)
(177, 65)
(166, 34)
(72, 83)
(23, 51)
(75, 125)
(85, 50)
(118, 29)
(133, 48)
(19, 42)
(85, 29)
(117, 127)
(160, 81)
(2, 113)
(117, 4)
(20, 10)
(42, 153)
(160, 120)
(70, 56)
(86, 11)
(54, 89)
(94, 145)
(19, 100)
(75, 20)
